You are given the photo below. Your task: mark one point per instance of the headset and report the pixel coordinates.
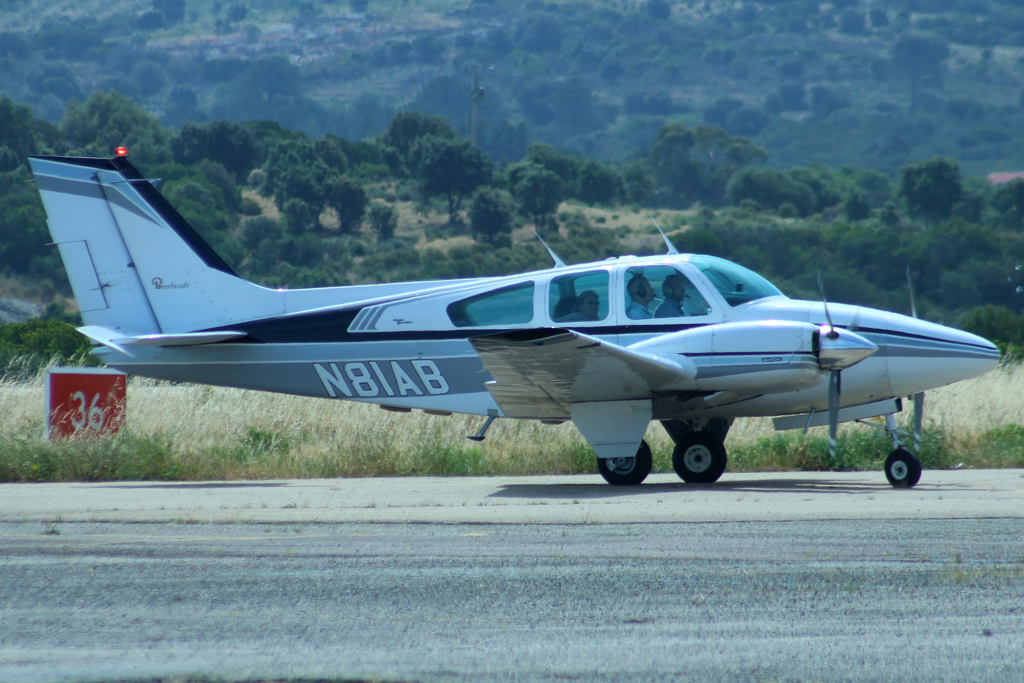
(641, 285)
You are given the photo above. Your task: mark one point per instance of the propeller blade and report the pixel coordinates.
(910, 286)
(824, 302)
(834, 391)
(918, 420)
(918, 397)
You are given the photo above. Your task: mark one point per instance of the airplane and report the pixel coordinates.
(690, 340)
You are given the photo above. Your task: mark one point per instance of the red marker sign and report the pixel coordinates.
(84, 401)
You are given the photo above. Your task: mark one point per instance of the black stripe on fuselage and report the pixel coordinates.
(911, 335)
(333, 327)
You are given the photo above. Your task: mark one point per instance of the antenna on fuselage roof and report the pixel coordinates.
(672, 251)
(559, 263)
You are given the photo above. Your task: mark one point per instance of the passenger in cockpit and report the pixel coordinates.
(587, 307)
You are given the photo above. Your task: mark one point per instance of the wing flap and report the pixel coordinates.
(541, 373)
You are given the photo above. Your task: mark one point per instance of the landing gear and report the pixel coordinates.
(699, 458)
(627, 471)
(902, 468)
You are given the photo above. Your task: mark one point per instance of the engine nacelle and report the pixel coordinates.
(767, 356)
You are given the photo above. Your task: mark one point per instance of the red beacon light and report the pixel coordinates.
(121, 152)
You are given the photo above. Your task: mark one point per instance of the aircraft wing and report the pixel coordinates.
(541, 373)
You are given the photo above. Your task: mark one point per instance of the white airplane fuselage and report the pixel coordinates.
(432, 370)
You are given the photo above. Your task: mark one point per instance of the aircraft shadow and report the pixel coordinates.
(211, 485)
(573, 491)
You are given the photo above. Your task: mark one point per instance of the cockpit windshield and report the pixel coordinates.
(736, 284)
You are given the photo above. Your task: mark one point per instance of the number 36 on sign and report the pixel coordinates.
(84, 400)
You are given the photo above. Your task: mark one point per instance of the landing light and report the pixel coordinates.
(121, 152)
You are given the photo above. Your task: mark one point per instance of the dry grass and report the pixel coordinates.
(199, 432)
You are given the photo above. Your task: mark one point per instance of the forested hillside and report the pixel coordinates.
(328, 143)
(874, 84)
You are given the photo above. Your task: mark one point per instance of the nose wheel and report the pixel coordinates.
(627, 471)
(902, 468)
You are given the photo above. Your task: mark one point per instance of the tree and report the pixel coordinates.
(384, 220)
(931, 188)
(490, 215)
(23, 233)
(996, 323)
(16, 128)
(771, 189)
(919, 57)
(349, 200)
(598, 183)
(696, 164)
(297, 216)
(1008, 202)
(295, 172)
(407, 127)
(228, 143)
(639, 182)
(857, 207)
(563, 165)
(450, 167)
(109, 120)
(538, 191)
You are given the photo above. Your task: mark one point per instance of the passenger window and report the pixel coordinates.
(661, 292)
(581, 297)
(508, 306)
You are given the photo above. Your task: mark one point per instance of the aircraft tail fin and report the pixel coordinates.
(135, 264)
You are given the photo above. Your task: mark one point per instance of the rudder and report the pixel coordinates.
(134, 263)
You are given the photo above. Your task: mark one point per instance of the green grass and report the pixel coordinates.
(265, 454)
(190, 432)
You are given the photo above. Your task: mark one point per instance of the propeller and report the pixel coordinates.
(838, 350)
(919, 396)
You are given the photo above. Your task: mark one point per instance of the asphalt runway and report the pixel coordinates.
(807, 595)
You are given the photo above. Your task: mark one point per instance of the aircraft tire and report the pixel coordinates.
(629, 473)
(902, 469)
(699, 458)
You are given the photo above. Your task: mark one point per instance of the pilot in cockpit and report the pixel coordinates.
(640, 293)
(674, 289)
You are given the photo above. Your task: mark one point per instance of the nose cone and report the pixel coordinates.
(923, 355)
(839, 349)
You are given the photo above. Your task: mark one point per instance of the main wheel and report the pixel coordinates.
(627, 471)
(699, 458)
(902, 468)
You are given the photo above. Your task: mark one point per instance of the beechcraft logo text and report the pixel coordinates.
(158, 283)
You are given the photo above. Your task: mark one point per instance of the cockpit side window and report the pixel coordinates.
(736, 284)
(661, 292)
(499, 308)
(579, 297)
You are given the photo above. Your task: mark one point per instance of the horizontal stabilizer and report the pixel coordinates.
(118, 341)
(541, 373)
